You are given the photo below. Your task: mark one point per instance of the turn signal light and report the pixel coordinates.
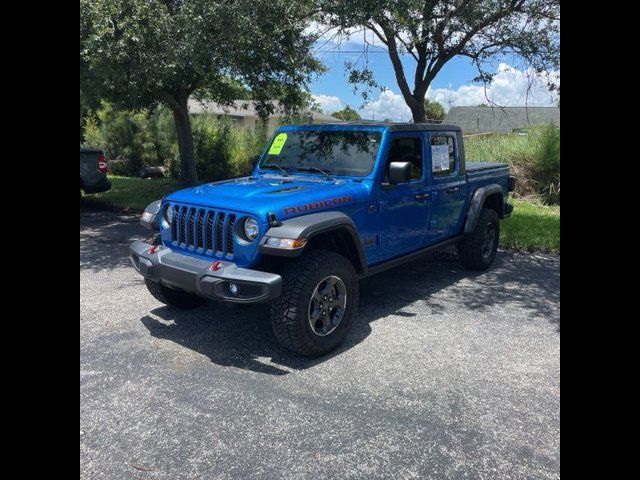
(286, 243)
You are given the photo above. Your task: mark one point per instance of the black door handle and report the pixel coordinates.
(453, 189)
(422, 196)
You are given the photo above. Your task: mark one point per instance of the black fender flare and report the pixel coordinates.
(477, 202)
(309, 226)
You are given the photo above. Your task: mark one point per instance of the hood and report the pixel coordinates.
(285, 196)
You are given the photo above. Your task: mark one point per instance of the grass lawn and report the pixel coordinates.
(131, 194)
(532, 226)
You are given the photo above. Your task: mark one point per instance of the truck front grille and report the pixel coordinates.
(203, 230)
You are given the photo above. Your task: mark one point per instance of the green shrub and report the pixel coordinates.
(91, 132)
(212, 144)
(548, 166)
(223, 150)
(132, 139)
(534, 158)
(164, 135)
(121, 134)
(246, 145)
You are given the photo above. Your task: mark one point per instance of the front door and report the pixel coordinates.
(404, 211)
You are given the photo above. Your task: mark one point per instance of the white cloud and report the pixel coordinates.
(509, 87)
(389, 105)
(332, 38)
(328, 103)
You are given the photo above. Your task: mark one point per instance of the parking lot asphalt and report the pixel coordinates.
(445, 374)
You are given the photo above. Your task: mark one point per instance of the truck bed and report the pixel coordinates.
(480, 174)
(476, 166)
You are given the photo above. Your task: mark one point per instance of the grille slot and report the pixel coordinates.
(208, 237)
(208, 231)
(191, 227)
(182, 226)
(199, 232)
(219, 239)
(229, 245)
(174, 224)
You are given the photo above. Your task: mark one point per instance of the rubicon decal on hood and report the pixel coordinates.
(331, 202)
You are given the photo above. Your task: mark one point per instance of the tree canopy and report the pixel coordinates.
(348, 114)
(433, 32)
(136, 53)
(433, 111)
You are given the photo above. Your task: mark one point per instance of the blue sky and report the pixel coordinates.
(513, 85)
(334, 82)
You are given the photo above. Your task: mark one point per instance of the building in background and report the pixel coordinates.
(243, 114)
(501, 119)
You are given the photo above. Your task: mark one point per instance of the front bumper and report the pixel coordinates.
(193, 275)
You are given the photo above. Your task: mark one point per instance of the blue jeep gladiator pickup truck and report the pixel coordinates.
(325, 206)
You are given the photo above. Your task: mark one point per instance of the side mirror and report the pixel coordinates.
(254, 161)
(399, 172)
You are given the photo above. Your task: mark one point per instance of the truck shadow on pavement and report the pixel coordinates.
(240, 336)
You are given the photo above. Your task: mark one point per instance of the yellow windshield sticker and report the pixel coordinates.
(278, 143)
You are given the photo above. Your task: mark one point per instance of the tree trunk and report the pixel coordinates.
(178, 105)
(188, 173)
(415, 99)
(418, 111)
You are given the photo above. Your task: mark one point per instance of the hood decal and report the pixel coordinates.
(330, 202)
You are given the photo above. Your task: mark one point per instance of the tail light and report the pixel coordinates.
(102, 163)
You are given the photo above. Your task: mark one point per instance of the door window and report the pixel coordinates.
(443, 155)
(405, 149)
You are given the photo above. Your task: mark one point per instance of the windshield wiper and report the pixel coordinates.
(316, 169)
(273, 165)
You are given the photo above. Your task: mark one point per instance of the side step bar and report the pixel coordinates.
(381, 267)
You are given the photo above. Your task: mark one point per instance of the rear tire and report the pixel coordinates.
(478, 249)
(318, 303)
(175, 298)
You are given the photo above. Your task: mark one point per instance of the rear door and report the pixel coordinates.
(447, 187)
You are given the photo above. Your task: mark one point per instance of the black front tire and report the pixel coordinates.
(175, 298)
(478, 249)
(291, 318)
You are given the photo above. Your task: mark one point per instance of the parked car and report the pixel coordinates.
(325, 206)
(93, 171)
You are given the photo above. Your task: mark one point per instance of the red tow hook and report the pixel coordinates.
(215, 266)
(153, 248)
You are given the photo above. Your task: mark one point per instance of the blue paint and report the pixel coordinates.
(390, 221)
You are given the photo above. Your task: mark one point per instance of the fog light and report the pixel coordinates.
(233, 288)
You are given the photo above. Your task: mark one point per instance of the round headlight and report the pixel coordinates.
(251, 228)
(167, 216)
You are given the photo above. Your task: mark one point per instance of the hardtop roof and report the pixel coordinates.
(391, 126)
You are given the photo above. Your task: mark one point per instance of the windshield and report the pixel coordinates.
(328, 152)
